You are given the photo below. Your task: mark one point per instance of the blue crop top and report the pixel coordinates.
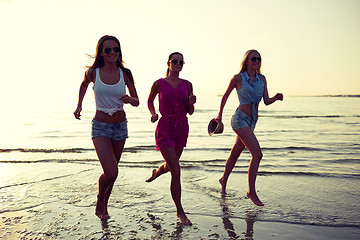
(251, 93)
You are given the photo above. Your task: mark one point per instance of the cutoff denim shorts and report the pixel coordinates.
(114, 131)
(241, 120)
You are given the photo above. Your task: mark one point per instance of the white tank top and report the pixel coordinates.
(107, 97)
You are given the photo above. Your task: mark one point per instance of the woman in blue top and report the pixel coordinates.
(250, 86)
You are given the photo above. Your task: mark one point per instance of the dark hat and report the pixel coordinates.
(215, 127)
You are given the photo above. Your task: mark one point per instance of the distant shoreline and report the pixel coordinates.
(327, 95)
(341, 95)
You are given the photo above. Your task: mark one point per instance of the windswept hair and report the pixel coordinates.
(243, 65)
(99, 60)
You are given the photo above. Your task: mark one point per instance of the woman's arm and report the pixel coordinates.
(226, 95)
(192, 99)
(267, 99)
(83, 88)
(133, 99)
(150, 103)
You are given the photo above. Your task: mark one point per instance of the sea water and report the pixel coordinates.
(310, 172)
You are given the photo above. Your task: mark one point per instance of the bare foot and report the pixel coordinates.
(153, 176)
(184, 220)
(254, 198)
(106, 215)
(223, 186)
(100, 210)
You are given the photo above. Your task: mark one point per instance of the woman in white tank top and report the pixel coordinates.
(109, 126)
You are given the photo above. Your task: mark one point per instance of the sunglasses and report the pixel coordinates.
(174, 61)
(108, 50)
(253, 59)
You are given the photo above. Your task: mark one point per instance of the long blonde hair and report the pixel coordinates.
(243, 65)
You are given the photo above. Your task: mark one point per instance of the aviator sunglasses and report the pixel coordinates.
(108, 50)
(174, 61)
(253, 59)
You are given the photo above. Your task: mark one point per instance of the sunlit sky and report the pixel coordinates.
(308, 47)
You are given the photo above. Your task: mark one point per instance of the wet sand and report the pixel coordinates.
(62, 207)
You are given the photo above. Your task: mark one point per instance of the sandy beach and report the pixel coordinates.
(62, 207)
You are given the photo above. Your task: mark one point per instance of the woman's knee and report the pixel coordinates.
(175, 173)
(257, 156)
(111, 175)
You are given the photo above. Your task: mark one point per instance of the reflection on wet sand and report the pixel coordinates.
(111, 229)
(228, 225)
(105, 229)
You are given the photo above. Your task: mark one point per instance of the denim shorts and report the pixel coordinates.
(241, 120)
(114, 131)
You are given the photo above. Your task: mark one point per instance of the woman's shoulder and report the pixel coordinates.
(90, 74)
(237, 77)
(126, 70)
(262, 77)
(188, 82)
(156, 82)
(127, 74)
(159, 80)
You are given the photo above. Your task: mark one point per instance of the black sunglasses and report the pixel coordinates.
(174, 61)
(108, 50)
(253, 59)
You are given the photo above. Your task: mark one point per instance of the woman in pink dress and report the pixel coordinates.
(176, 99)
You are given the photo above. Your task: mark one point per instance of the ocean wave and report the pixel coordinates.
(307, 116)
(40, 150)
(343, 161)
(70, 150)
(343, 95)
(135, 149)
(305, 174)
(85, 160)
(290, 148)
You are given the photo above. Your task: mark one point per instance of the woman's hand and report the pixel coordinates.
(218, 118)
(279, 96)
(127, 99)
(77, 113)
(154, 118)
(192, 99)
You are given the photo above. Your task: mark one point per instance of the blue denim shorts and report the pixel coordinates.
(114, 131)
(241, 120)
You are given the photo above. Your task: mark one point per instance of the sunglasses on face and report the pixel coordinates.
(253, 59)
(108, 50)
(174, 61)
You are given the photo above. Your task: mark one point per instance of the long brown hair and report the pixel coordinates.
(99, 60)
(170, 56)
(243, 65)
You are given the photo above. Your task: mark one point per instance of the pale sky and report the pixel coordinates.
(308, 47)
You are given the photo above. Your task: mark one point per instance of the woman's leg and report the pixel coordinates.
(250, 141)
(118, 147)
(171, 156)
(108, 159)
(230, 163)
(156, 173)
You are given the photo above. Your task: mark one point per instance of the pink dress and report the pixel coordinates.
(173, 128)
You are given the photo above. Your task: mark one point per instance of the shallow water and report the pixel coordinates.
(309, 175)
